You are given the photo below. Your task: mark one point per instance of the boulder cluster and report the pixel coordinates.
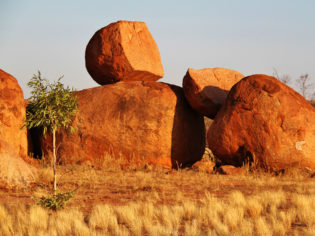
(256, 118)
(131, 114)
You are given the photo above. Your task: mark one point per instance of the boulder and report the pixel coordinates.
(144, 122)
(207, 89)
(123, 51)
(265, 122)
(12, 114)
(14, 172)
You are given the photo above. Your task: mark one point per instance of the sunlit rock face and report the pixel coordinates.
(144, 122)
(123, 51)
(12, 114)
(266, 122)
(207, 89)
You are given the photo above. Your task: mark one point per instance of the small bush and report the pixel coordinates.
(56, 201)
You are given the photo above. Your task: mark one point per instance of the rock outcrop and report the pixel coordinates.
(14, 172)
(266, 122)
(146, 122)
(123, 51)
(12, 114)
(207, 89)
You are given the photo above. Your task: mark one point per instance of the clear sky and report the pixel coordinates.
(250, 36)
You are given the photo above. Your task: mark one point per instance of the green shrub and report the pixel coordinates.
(56, 201)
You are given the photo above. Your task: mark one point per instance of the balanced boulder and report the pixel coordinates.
(12, 114)
(207, 89)
(264, 122)
(145, 122)
(123, 51)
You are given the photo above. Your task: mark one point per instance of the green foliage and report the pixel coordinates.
(51, 105)
(56, 201)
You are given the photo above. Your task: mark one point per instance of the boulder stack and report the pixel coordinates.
(265, 122)
(123, 51)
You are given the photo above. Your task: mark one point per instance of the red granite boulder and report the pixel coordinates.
(12, 114)
(123, 51)
(266, 122)
(146, 122)
(207, 89)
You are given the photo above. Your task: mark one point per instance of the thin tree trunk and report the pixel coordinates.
(54, 161)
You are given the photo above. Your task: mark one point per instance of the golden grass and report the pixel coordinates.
(268, 213)
(144, 200)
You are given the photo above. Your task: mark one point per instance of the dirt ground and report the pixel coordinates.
(95, 186)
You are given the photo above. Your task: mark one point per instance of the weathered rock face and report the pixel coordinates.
(14, 172)
(207, 89)
(266, 121)
(12, 114)
(123, 51)
(148, 122)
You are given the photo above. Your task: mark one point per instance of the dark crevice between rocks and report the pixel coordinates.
(245, 157)
(34, 142)
(188, 134)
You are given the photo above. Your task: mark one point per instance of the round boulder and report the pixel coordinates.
(145, 122)
(265, 122)
(123, 51)
(12, 114)
(207, 89)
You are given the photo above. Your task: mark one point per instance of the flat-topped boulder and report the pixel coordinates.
(265, 122)
(207, 89)
(144, 122)
(123, 51)
(12, 114)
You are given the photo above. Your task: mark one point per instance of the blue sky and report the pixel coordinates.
(250, 36)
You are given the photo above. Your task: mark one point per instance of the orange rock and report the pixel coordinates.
(230, 170)
(12, 114)
(123, 51)
(14, 172)
(204, 165)
(146, 122)
(207, 89)
(265, 121)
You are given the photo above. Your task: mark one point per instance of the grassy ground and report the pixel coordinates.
(117, 200)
